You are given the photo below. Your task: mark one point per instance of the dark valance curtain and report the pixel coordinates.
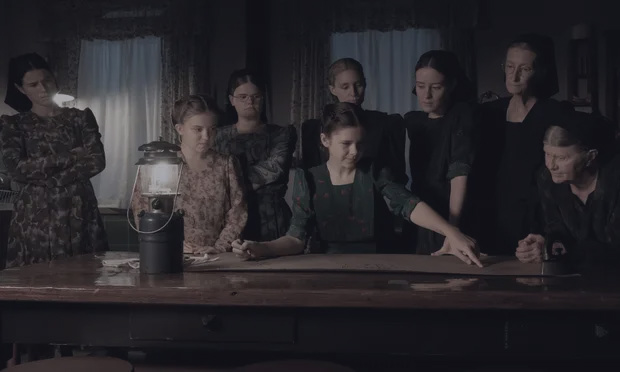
(312, 22)
(182, 25)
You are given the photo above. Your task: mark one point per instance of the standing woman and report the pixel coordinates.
(440, 135)
(52, 153)
(265, 151)
(503, 187)
(385, 133)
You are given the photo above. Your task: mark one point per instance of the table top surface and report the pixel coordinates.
(83, 279)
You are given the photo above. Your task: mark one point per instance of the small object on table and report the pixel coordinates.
(555, 264)
(199, 260)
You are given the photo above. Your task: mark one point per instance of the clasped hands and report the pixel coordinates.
(530, 249)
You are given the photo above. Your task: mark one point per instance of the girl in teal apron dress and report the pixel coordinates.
(340, 203)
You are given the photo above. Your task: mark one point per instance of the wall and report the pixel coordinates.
(228, 45)
(281, 64)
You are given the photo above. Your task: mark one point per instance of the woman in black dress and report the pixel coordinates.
(580, 193)
(508, 154)
(441, 153)
(386, 133)
(265, 152)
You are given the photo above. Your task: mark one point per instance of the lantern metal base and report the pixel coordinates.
(161, 252)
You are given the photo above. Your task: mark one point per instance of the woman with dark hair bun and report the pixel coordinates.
(441, 150)
(265, 152)
(51, 153)
(342, 200)
(508, 156)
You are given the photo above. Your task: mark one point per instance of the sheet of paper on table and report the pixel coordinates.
(494, 265)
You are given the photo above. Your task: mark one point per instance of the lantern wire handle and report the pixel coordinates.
(174, 202)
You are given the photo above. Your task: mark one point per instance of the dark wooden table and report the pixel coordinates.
(77, 301)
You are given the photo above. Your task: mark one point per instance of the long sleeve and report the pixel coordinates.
(90, 161)
(554, 227)
(237, 215)
(21, 167)
(401, 201)
(613, 225)
(278, 163)
(303, 215)
(461, 151)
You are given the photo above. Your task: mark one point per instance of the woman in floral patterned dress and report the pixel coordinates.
(265, 152)
(211, 188)
(51, 153)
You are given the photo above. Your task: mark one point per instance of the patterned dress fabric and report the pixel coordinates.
(265, 157)
(52, 160)
(213, 201)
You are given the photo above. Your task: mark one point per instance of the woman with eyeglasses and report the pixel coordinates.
(441, 152)
(503, 179)
(265, 152)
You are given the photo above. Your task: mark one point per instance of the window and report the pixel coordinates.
(389, 60)
(120, 81)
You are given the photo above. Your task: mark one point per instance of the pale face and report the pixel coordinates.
(198, 132)
(431, 91)
(518, 69)
(247, 100)
(566, 164)
(344, 146)
(348, 87)
(40, 87)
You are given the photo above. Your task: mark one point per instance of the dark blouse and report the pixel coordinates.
(385, 136)
(440, 150)
(348, 218)
(502, 186)
(265, 158)
(590, 230)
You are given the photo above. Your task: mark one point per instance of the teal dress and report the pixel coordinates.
(349, 218)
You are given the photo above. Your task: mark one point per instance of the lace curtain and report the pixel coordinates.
(182, 25)
(119, 80)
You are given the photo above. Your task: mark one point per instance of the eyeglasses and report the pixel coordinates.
(524, 71)
(248, 97)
